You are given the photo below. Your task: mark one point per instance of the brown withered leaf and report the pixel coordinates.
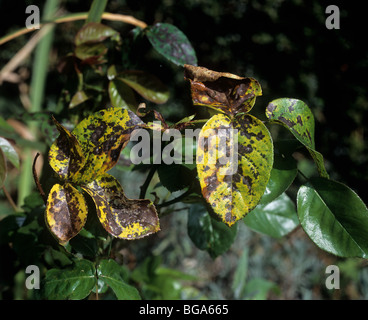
(223, 91)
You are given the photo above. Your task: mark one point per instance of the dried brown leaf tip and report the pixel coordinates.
(223, 91)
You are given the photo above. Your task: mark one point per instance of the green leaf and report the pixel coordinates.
(222, 91)
(3, 169)
(283, 172)
(146, 84)
(9, 152)
(207, 233)
(275, 219)
(73, 283)
(172, 43)
(122, 217)
(78, 98)
(296, 116)
(175, 177)
(115, 276)
(240, 275)
(234, 161)
(121, 95)
(92, 33)
(259, 288)
(334, 217)
(93, 53)
(66, 212)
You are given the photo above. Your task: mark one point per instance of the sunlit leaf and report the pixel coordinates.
(66, 157)
(275, 219)
(334, 217)
(73, 283)
(296, 116)
(234, 161)
(102, 136)
(222, 91)
(66, 212)
(78, 98)
(93, 32)
(172, 43)
(9, 152)
(122, 217)
(146, 84)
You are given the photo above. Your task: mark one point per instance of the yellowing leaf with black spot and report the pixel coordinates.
(222, 91)
(66, 212)
(234, 161)
(122, 217)
(102, 136)
(65, 156)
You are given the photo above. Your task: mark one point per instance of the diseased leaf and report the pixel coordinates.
(234, 161)
(122, 217)
(334, 217)
(121, 95)
(146, 84)
(113, 275)
(296, 116)
(172, 43)
(66, 157)
(94, 32)
(66, 212)
(9, 152)
(102, 136)
(72, 283)
(222, 91)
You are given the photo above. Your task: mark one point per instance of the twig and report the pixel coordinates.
(38, 184)
(145, 185)
(10, 199)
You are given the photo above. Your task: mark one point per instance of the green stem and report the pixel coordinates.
(39, 73)
(96, 11)
(181, 197)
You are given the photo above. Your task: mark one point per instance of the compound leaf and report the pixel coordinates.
(234, 161)
(172, 43)
(72, 283)
(334, 217)
(122, 217)
(222, 91)
(66, 212)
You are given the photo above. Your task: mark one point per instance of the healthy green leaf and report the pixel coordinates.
(283, 172)
(115, 276)
(172, 43)
(234, 161)
(147, 85)
(9, 152)
(78, 98)
(275, 219)
(121, 95)
(334, 217)
(73, 283)
(207, 233)
(92, 33)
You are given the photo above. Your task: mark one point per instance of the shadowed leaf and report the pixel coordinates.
(93, 32)
(121, 95)
(234, 160)
(66, 212)
(222, 91)
(122, 217)
(172, 43)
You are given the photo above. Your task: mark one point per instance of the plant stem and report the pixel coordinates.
(146, 183)
(10, 199)
(39, 72)
(181, 197)
(96, 10)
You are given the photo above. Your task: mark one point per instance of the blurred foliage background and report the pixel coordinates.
(285, 45)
